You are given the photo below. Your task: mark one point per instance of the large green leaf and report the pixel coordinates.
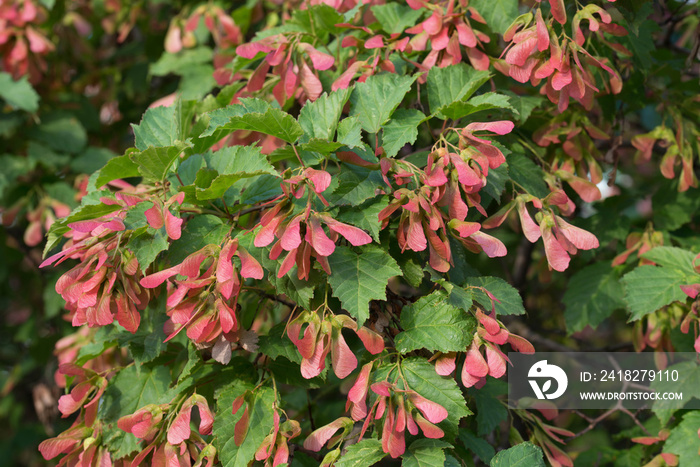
(131, 389)
(19, 94)
(509, 300)
(520, 455)
(592, 295)
(61, 133)
(452, 84)
(146, 244)
(648, 288)
(425, 453)
(684, 440)
(319, 119)
(688, 383)
(402, 129)
(672, 257)
(260, 423)
(117, 168)
(478, 446)
(490, 411)
(395, 18)
(499, 14)
(355, 185)
(375, 100)
(432, 323)
(196, 234)
(422, 378)
(253, 115)
(359, 278)
(365, 216)
(159, 128)
(487, 101)
(363, 454)
(527, 175)
(154, 163)
(231, 164)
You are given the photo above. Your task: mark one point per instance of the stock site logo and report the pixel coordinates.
(542, 370)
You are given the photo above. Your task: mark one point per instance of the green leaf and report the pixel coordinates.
(395, 18)
(402, 129)
(688, 383)
(648, 288)
(499, 14)
(434, 324)
(496, 179)
(510, 301)
(672, 257)
(363, 454)
(231, 163)
(350, 132)
(452, 84)
(319, 119)
(178, 62)
(131, 389)
(19, 94)
(684, 441)
(422, 378)
(201, 231)
(159, 128)
(359, 278)
(61, 133)
(117, 168)
(375, 100)
(521, 455)
(425, 453)
(490, 412)
(277, 344)
(476, 104)
(253, 115)
(260, 424)
(365, 216)
(478, 446)
(672, 208)
(592, 295)
(527, 174)
(524, 105)
(355, 185)
(147, 244)
(154, 163)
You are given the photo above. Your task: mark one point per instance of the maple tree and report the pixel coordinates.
(358, 187)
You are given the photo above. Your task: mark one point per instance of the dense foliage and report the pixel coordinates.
(333, 221)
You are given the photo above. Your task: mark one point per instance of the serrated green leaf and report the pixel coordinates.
(230, 164)
(688, 383)
(672, 257)
(521, 455)
(319, 119)
(359, 278)
(251, 116)
(684, 441)
(592, 295)
(478, 446)
(375, 100)
(350, 132)
(260, 424)
(488, 101)
(510, 301)
(432, 323)
(452, 84)
(422, 378)
(277, 344)
(425, 453)
(365, 216)
(131, 389)
(363, 454)
(147, 244)
(648, 288)
(490, 412)
(395, 18)
(496, 180)
(117, 168)
(196, 234)
(19, 94)
(159, 128)
(672, 208)
(155, 163)
(527, 174)
(355, 185)
(402, 129)
(499, 14)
